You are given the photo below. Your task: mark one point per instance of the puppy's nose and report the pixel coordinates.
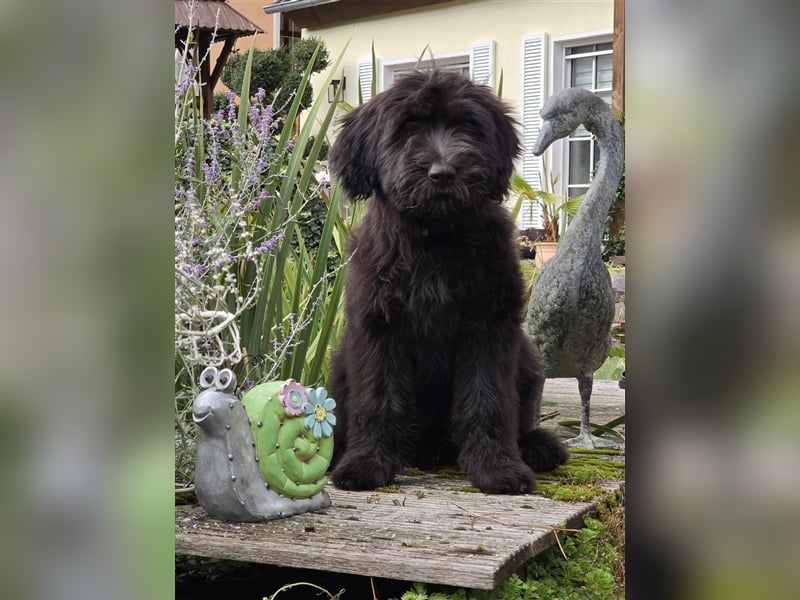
(442, 173)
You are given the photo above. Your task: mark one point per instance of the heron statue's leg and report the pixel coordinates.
(585, 439)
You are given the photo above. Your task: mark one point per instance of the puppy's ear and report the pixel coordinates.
(506, 148)
(353, 157)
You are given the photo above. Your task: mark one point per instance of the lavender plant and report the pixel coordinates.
(246, 297)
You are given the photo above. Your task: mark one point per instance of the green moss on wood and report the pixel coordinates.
(392, 488)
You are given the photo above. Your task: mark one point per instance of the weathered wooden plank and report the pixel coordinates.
(607, 402)
(564, 391)
(431, 530)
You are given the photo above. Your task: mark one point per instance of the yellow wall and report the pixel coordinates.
(451, 28)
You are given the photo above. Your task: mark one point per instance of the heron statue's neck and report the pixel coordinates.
(586, 227)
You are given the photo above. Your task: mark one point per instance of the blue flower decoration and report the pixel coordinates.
(320, 420)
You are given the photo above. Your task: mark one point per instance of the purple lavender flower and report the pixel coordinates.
(266, 247)
(187, 78)
(253, 113)
(212, 173)
(231, 106)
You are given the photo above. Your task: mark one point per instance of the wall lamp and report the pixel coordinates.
(334, 86)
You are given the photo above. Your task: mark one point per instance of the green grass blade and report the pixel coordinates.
(299, 294)
(317, 287)
(327, 332)
(244, 103)
(374, 82)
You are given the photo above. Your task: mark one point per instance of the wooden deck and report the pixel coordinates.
(432, 530)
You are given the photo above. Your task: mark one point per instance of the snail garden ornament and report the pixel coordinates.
(263, 457)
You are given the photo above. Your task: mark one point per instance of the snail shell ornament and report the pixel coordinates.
(264, 457)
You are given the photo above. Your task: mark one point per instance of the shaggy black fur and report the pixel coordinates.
(433, 367)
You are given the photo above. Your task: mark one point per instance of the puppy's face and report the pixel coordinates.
(432, 145)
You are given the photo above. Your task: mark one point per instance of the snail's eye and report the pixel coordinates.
(225, 381)
(208, 377)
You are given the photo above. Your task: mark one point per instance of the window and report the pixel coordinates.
(549, 65)
(459, 64)
(288, 31)
(477, 64)
(586, 66)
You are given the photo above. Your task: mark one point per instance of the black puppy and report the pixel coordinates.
(433, 366)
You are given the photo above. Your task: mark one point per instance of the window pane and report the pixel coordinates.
(459, 66)
(580, 132)
(579, 167)
(463, 69)
(577, 191)
(580, 49)
(582, 73)
(606, 46)
(604, 72)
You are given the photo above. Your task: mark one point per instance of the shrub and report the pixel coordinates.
(278, 71)
(614, 237)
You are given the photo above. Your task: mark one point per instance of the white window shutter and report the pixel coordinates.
(365, 79)
(481, 63)
(533, 96)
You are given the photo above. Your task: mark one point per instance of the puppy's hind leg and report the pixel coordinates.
(542, 450)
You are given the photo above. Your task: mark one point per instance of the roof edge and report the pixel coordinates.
(290, 5)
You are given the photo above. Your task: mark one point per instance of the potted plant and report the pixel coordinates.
(553, 207)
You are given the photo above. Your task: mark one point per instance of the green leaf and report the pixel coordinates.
(522, 187)
(597, 429)
(611, 369)
(572, 205)
(617, 351)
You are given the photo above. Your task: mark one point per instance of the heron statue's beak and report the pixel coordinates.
(547, 135)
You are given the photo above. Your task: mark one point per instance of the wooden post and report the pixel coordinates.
(618, 64)
(203, 46)
(221, 59)
(618, 93)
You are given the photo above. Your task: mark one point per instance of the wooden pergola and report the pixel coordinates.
(210, 21)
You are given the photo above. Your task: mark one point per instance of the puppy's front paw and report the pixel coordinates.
(509, 478)
(358, 473)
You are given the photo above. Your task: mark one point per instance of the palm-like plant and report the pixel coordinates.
(553, 205)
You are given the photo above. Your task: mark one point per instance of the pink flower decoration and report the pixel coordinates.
(293, 397)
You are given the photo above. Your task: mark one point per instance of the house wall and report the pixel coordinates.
(451, 29)
(526, 37)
